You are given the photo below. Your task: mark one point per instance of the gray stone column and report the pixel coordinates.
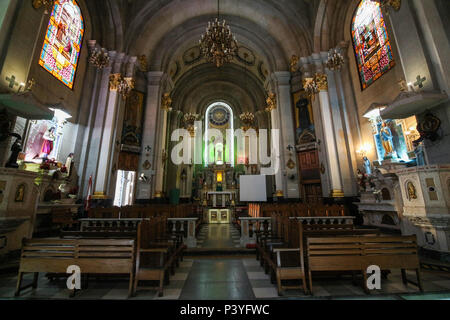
(94, 136)
(334, 172)
(107, 143)
(286, 116)
(147, 162)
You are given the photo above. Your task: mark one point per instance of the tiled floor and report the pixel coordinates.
(218, 236)
(233, 279)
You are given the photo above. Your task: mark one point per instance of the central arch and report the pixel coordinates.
(207, 124)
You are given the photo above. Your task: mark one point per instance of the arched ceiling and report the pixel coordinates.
(268, 32)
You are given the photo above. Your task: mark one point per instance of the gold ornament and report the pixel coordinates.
(321, 81)
(271, 102)
(294, 63)
(143, 66)
(166, 102)
(114, 81)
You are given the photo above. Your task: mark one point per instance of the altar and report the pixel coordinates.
(219, 198)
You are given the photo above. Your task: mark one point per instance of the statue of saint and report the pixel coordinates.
(386, 140)
(47, 146)
(15, 150)
(304, 115)
(367, 166)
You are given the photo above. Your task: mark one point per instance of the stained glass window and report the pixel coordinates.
(62, 43)
(371, 43)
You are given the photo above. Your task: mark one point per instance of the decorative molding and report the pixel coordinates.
(166, 102)
(143, 65)
(294, 63)
(321, 80)
(114, 81)
(271, 102)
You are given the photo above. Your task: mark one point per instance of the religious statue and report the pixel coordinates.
(305, 122)
(411, 191)
(15, 150)
(69, 164)
(47, 145)
(367, 166)
(386, 140)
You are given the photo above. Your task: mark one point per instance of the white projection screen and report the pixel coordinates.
(253, 188)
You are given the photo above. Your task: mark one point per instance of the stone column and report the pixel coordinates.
(161, 146)
(275, 125)
(147, 162)
(94, 138)
(107, 143)
(335, 183)
(286, 116)
(342, 132)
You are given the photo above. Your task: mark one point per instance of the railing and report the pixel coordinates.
(190, 241)
(107, 223)
(325, 220)
(255, 223)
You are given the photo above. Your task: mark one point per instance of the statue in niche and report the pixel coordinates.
(411, 191)
(304, 115)
(386, 140)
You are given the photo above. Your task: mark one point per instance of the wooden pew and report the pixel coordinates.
(154, 256)
(291, 262)
(93, 256)
(356, 253)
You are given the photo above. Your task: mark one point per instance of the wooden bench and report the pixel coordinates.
(156, 256)
(288, 262)
(356, 253)
(93, 256)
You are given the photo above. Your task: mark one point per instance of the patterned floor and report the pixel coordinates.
(218, 236)
(232, 279)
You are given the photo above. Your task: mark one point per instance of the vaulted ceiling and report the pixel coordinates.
(268, 32)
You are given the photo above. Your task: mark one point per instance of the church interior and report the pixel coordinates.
(224, 149)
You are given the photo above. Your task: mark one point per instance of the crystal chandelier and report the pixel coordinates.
(218, 45)
(335, 60)
(99, 58)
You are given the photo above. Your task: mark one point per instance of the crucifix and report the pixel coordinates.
(420, 81)
(12, 81)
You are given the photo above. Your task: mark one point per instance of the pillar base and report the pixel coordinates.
(159, 194)
(279, 193)
(337, 194)
(99, 195)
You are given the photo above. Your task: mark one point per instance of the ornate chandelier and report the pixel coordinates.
(218, 45)
(247, 119)
(335, 60)
(189, 121)
(99, 58)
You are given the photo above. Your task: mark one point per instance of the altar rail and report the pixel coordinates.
(178, 226)
(250, 225)
(257, 224)
(325, 220)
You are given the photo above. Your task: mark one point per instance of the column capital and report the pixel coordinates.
(281, 78)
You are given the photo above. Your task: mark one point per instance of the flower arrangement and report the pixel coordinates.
(310, 86)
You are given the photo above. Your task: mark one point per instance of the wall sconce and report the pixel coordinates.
(363, 150)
